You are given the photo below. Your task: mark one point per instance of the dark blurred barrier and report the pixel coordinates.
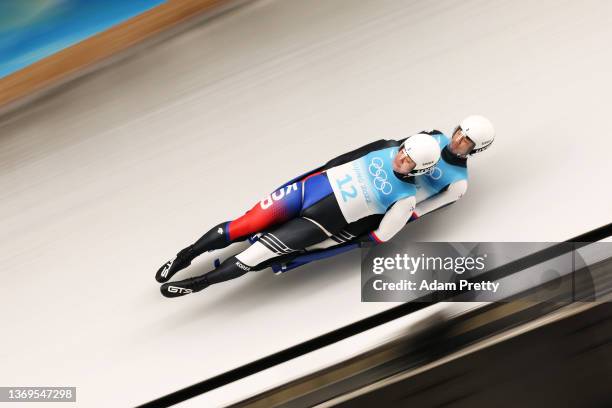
(565, 363)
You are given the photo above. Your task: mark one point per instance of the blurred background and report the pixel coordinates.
(119, 124)
(34, 29)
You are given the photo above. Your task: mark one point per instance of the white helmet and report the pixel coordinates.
(424, 150)
(480, 130)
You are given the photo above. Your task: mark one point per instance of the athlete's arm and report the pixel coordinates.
(452, 193)
(394, 220)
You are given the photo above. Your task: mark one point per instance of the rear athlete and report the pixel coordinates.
(369, 192)
(448, 180)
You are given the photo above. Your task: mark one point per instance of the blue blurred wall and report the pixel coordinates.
(33, 29)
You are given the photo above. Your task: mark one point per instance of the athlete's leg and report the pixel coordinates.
(320, 218)
(353, 232)
(286, 239)
(278, 207)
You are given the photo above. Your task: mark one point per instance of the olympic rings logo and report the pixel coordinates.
(436, 173)
(381, 182)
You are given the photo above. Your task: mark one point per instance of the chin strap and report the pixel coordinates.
(409, 178)
(453, 158)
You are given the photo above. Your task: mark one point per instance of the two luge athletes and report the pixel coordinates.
(368, 194)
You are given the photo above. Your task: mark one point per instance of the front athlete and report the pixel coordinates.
(367, 191)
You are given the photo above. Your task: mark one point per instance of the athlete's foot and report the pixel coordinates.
(170, 268)
(184, 287)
